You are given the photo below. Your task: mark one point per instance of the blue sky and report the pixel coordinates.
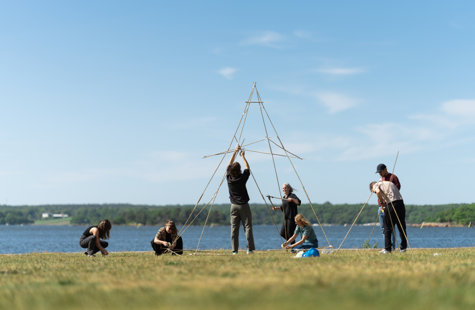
(118, 101)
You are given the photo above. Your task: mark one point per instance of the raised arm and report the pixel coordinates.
(238, 147)
(246, 164)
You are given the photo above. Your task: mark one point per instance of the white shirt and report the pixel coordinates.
(389, 190)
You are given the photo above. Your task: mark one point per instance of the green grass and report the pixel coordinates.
(347, 279)
(55, 221)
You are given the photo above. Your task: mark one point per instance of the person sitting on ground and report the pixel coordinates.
(290, 202)
(304, 228)
(91, 238)
(167, 240)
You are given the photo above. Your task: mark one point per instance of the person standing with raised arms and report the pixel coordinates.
(240, 210)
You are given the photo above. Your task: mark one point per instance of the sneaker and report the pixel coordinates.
(384, 251)
(250, 252)
(402, 250)
(234, 252)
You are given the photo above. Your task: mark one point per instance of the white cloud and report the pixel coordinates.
(227, 72)
(379, 140)
(302, 34)
(341, 71)
(438, 120)
(464, 108)
(451, 114)
(267, 38)
(335, 102)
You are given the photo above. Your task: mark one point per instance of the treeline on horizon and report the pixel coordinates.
(129, 214)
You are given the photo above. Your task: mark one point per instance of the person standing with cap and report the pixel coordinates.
(394, 213)
(386, 176)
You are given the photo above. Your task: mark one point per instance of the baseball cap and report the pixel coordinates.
(380, 168)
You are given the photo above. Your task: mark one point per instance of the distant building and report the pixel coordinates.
(55, 215)
(60, 215)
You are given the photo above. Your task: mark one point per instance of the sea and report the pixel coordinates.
(19, 239)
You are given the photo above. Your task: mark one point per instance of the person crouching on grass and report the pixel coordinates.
(91, 238)
(304, 228)
(167, 240)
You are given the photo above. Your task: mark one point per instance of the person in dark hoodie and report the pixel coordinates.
(240, 210)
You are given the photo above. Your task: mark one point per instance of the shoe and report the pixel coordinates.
(234, 252)
(384, 251)
(250, 252)
(402, 250)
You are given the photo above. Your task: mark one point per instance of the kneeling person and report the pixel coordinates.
(91, 238)
(304, 228)
(167, 240)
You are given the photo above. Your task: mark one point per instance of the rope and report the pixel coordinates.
(298, 176)
(374, 226)
(273, 159)
(244, 114)
(260, 192)
(351, 227)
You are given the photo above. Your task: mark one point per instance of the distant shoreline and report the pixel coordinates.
(424, 224)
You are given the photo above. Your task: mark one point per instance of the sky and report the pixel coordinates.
(118, 101)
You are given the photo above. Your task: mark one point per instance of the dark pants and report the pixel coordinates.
(89, 243)
(392, 209)
(160, 249)
(288, 229)
(241, 214)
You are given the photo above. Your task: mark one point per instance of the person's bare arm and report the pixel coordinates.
(246, 164)
(95, 232)
(238, 147)
(296, 243)
(158, 241)
(285, 244)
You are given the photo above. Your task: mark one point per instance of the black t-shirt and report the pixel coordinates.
(290, 208)
(237, 188)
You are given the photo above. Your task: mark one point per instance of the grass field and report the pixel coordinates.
(347, 279)
(54, 221)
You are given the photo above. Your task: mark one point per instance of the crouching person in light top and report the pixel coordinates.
(167, 240)
(305, 229)
(91, 238)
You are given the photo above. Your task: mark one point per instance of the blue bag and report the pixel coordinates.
(312, 252)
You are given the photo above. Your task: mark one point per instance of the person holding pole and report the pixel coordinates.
(167, 240)
(394, 212)
(290, 202)
(240, 210)
(386, 176)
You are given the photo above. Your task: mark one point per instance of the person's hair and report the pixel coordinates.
(291, 189)
(104, 228)
(371, 186)
(299, 217)
(234, 169)
(172, 226)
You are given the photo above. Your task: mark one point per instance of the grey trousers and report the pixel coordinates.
(241, 213)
